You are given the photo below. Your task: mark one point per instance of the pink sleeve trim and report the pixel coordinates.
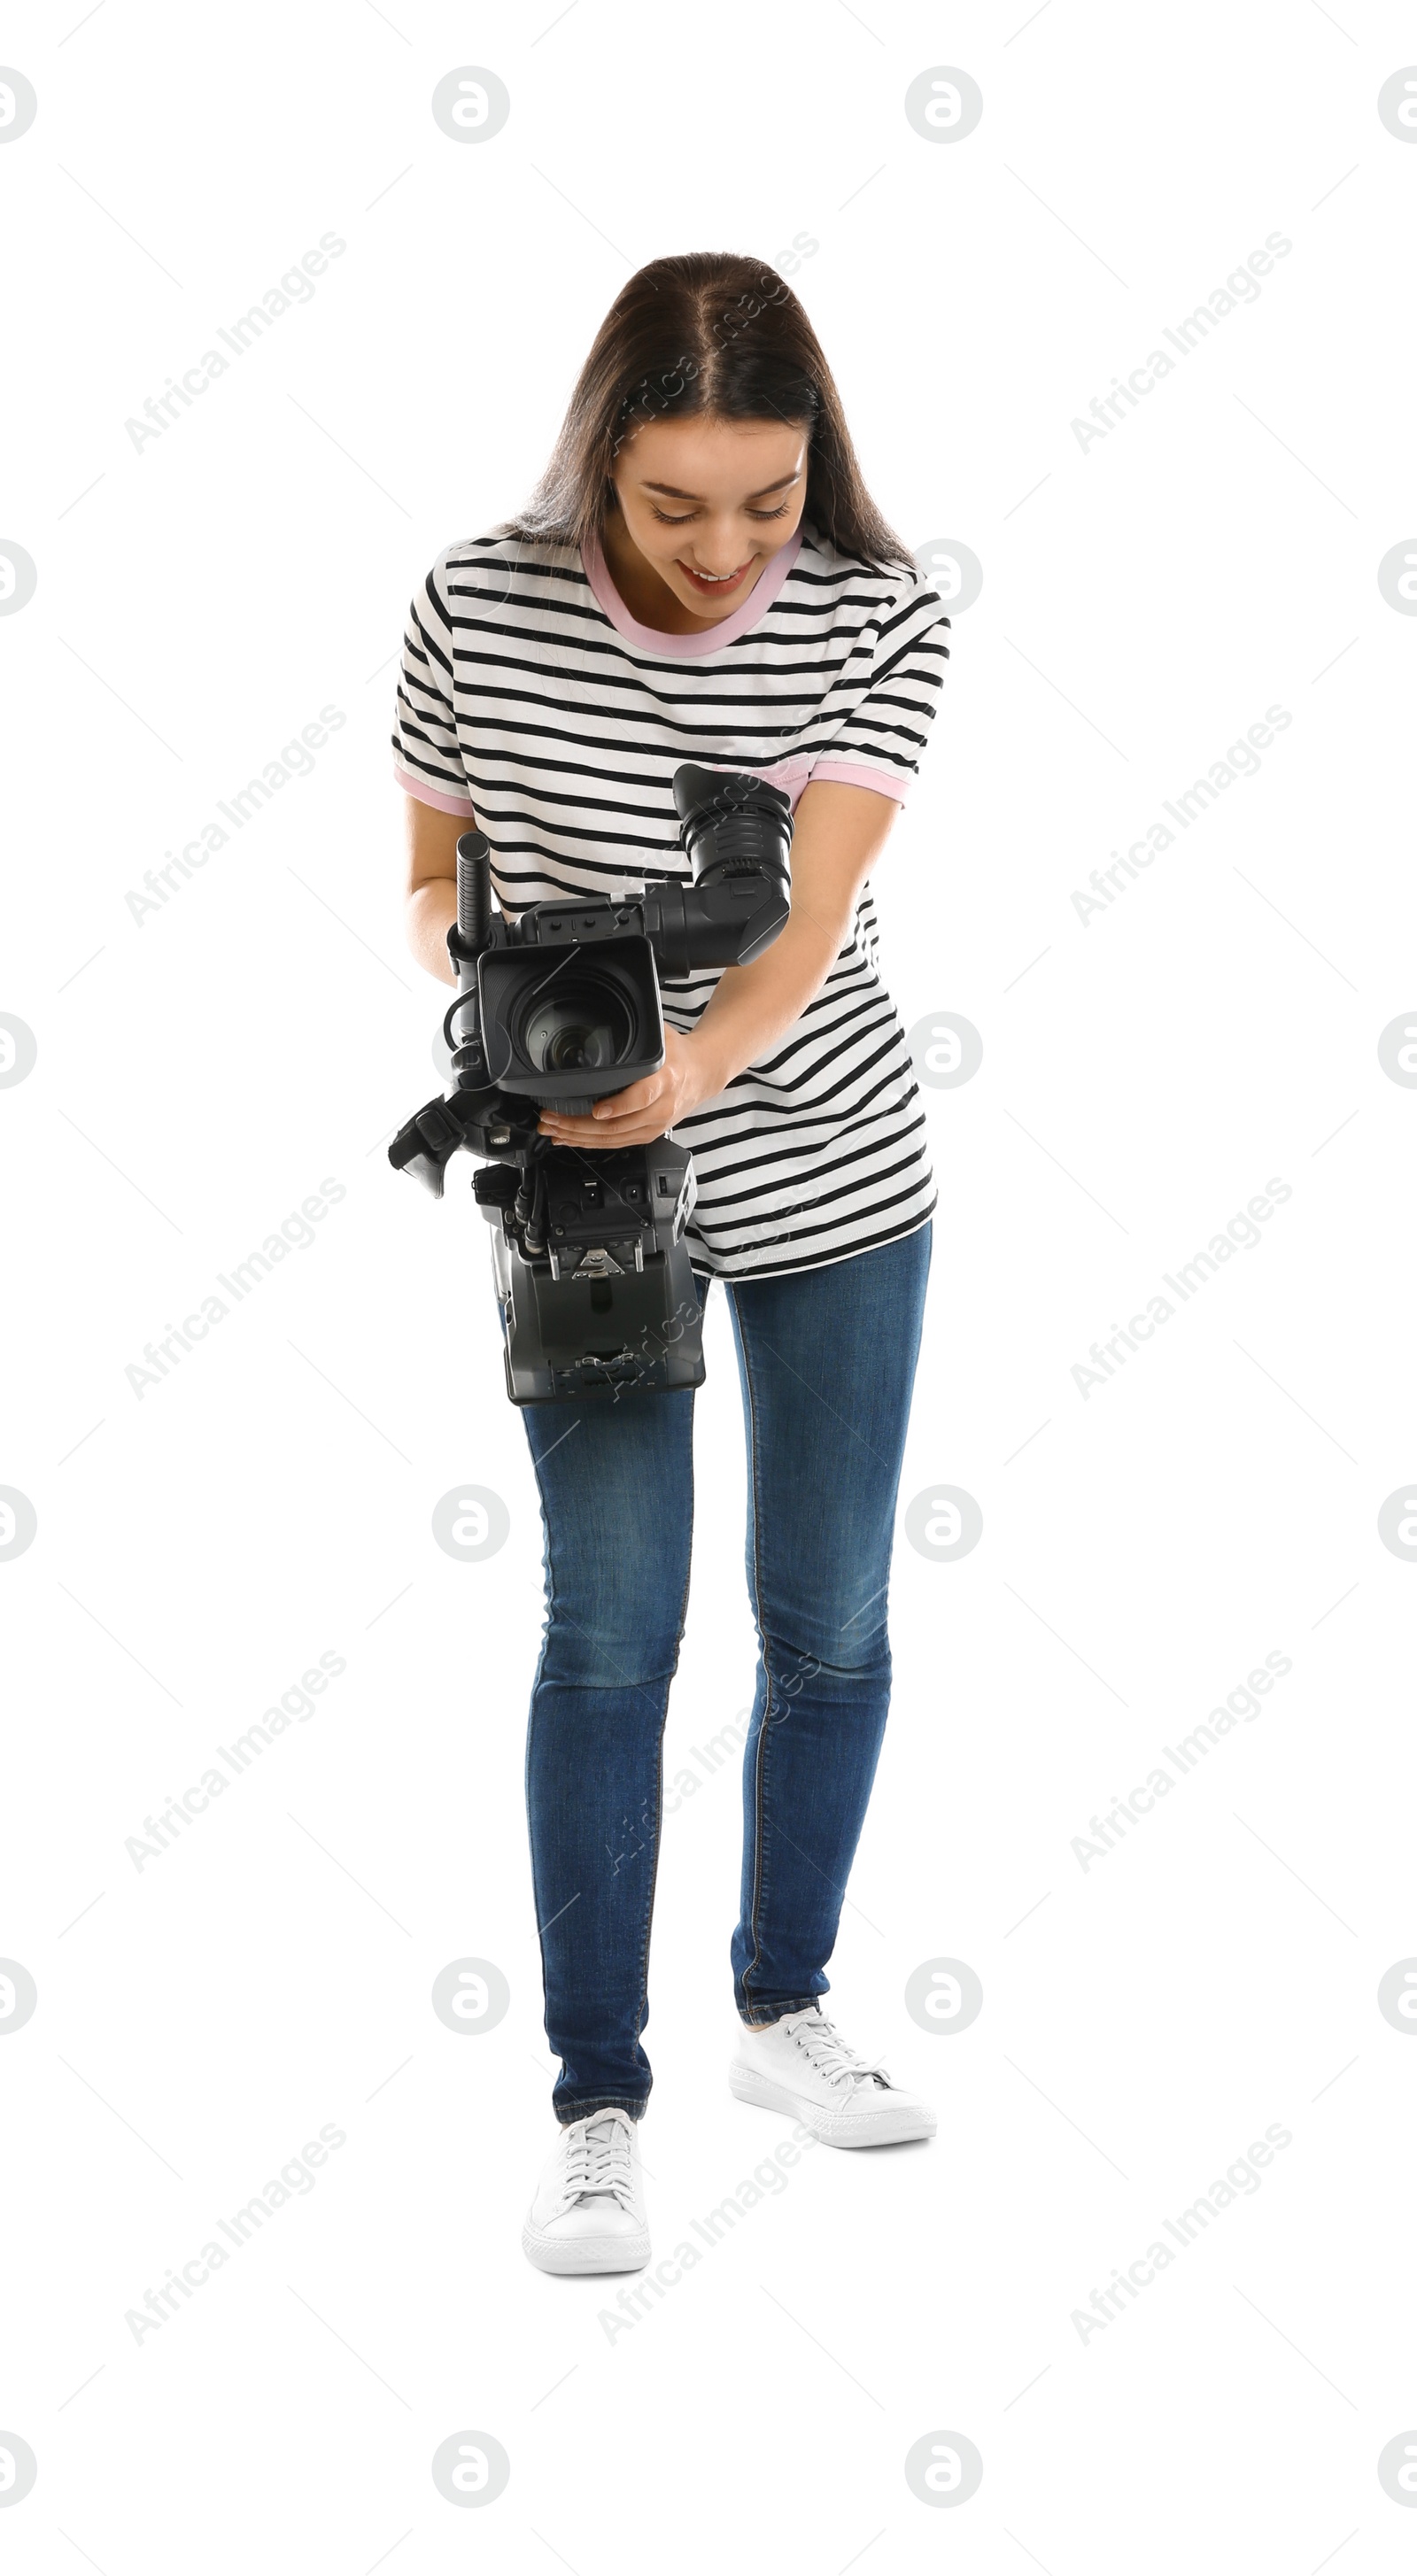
(853, 773)
(431, 795)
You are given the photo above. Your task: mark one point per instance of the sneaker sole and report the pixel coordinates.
(878, 2129)
(586, 2253)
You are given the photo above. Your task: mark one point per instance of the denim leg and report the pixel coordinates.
(827, 1365)
(615, 1476)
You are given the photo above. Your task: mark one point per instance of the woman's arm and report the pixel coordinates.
(431, 905)
(838, 834)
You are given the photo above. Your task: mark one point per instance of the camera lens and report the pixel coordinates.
(570, 1049)
(576, 1028)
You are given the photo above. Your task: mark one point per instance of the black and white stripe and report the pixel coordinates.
(521, 702)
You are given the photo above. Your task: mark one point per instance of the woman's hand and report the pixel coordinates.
(644, 1109)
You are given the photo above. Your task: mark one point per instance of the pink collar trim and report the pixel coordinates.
(653, 639)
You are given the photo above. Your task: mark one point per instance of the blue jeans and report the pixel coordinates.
(826, 1362)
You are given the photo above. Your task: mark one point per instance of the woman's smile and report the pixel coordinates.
(712, 582)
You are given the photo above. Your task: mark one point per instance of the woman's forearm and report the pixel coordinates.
(432, 910)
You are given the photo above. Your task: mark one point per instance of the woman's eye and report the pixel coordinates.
(667, 521)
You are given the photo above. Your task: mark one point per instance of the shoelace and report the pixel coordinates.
(597, 2155)
(826, 2050)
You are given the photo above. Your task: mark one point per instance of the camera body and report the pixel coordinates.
(562, 1006)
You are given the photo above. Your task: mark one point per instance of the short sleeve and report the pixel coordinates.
(892, 684)
(427, 758)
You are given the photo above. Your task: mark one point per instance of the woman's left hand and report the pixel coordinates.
(644, 1109)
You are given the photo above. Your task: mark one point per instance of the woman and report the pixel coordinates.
(702, 576)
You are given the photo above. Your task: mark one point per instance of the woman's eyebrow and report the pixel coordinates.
(674, 494)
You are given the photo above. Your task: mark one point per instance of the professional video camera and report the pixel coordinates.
(593, 1275)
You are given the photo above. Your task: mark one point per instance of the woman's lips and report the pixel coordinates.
(709, 587)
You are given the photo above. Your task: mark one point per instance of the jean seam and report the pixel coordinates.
(584, 2106)
(760, 1759)
(642, 2009)
(531, 1730)
(802, 2003)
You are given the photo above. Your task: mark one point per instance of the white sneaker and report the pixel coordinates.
(801, 2064)
(588, 2214)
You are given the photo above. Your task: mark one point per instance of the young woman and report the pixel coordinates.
(702, 576)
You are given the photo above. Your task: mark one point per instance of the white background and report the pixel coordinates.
(198, 1547)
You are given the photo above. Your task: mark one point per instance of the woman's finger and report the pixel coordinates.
(631, 1103)
(580, 1131)
(613, 1113)
(584, 1132)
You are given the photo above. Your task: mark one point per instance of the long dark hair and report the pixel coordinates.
(714, 334)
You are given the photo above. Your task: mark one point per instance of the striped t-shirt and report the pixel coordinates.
(533, 701)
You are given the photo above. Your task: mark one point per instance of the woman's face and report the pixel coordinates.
(705, 497)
